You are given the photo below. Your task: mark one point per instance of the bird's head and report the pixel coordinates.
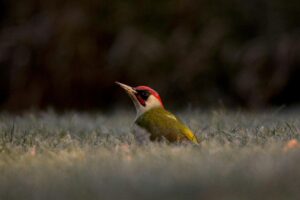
(143, 97)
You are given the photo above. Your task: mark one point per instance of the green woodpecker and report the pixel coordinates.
(154, 118)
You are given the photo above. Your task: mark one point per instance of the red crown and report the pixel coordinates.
(153, 92)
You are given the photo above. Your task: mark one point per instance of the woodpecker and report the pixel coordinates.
(154, 118)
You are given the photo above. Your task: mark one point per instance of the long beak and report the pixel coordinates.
(127, 88)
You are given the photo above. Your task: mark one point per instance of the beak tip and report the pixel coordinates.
(125, 87)
(119, 84)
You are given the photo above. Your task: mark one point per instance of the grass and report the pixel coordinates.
(93, 156)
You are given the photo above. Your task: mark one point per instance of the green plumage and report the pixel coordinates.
(159, 122)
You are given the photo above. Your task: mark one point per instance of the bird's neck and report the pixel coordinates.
(141, 112)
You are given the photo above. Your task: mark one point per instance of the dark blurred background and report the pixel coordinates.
(66, 54)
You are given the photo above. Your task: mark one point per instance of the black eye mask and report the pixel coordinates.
(144, 94)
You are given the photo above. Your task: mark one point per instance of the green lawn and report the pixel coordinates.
(94, 156)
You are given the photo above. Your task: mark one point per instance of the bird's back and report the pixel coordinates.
(161, 123)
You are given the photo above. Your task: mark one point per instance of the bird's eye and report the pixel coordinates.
(144, 94)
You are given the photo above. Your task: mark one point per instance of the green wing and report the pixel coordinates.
(159, 122)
